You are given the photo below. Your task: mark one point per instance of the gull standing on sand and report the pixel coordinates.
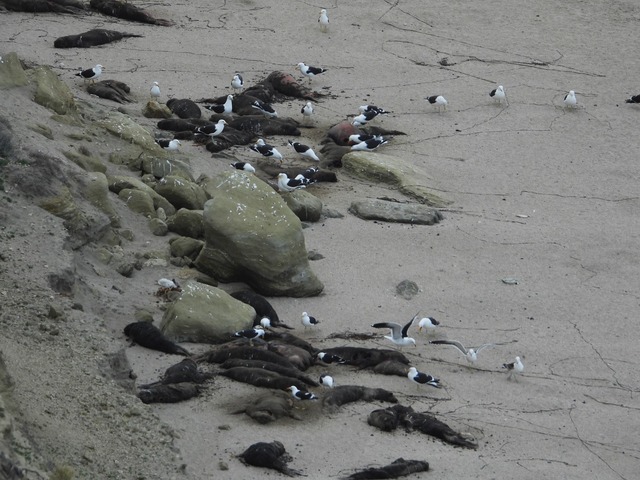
(326, 380)
(155, 91)
(471, 354)
(398, 332)
(498, 94)
(301, 394)
(570, 99)
(307, 111)
(237, 82)
(308, 321)
(323, 20)
(428, 323)
(439, 102)
(514, 368)
(420, 378)
(309, 71)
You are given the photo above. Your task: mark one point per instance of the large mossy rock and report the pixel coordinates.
(52, 93)
(306, 206)
(253, 237)
(11, 72)
(187, 223)
(181, 193)
(205, 314)
(387, 211)
(120, 182)
(392, 171)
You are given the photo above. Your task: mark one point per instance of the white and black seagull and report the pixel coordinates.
(309, 71)
(222, 108)
(155, 91)
(323, 20)
(266, 150)
(251, 333)
(471, 354)
(326, 380)
(304, 150)
(264, 108)
(91, 73)
(370, 144)
(307, 111)
(438, 101)
(329, 358)
(420, 378)
(428, 323)
(246, 166)
(170, 145)
(213, 129)
(372, 108)
(498, 94)
(286, 184)
(514, 367)
(633, 99)
(364, 117)
(570, 99)
(237, 82)
(308, 321)
(399, 334)
(301, 394)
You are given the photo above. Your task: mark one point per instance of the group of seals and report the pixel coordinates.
(111, 90)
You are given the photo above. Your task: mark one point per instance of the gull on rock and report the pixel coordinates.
(514, 368)
(246, 166)
(91, 73)
(420, 378)
(304, 150)
(170, 145)
(399, 334)
(438, 101)
(570, 99)
(363, 137)
(155, 91)
(166, 283)
(301, 394)
(471, 354)
(323, 20)
(286, 184)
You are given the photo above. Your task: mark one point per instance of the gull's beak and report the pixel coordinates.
(419, 329)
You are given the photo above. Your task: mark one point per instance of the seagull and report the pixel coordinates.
(308, 321)
(166, 283)
(428, 323)
(213, 129)
(326, 380)
(264, 108)
(301, 394)
(246, 166)
(222, 108)
(363, 137)
(570, 99)
(237, 83)
(266, 150)
(633, 99)
(309, 173)
(372, 108)
(307, 111)
(155, 91)
(398, 332)
(420, 378)
(251, 333)
(471, 354)
(438, 101)
(286, 184)
(369, 145)
(499, 94)
(323, 20)
(330, 358)
(169, 145)
(309, 71)
(364, 117)
(91, 73)
(514, 367)
(304, 150)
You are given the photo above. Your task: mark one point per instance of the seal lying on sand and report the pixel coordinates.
(287, 372)
(299, 357)
(36, 6)
(220, 355)
(342, 394)
(128, 11)
(389, 418)
(185, 371)
(268, 455)
(148, 335)
(262, 378)
(398, 468)
(291, 339)
(111, 90)
(269, 407)
(97, 36)
(366, 357)
(184, 108)
(173, 393)
(261, 305)
(391, 367)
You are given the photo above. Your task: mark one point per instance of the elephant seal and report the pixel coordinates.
(398, 468)
(40, 6)
(173, 393)
(128, 11)
(342, 394)
(423, 422)
(367, 357)
(391, 367)
(268, 455)
(262, 378)
(148, 335)
(261, 305)
(299, 357)
(185, 371)
(184, 108)
(273, 367)
(247, 353)
(92, 38)
(269, 407)
(111, 90)
(291, 339)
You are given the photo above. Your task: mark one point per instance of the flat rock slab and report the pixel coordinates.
(388, 211)
(394, 172)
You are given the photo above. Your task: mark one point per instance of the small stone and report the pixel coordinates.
(223, 465)
(407, 289)
(225, 426)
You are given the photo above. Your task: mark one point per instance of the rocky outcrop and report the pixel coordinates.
(205, 314)
(252, 236)
(392, 171)
(388, 211)
(52, 93)
(11, 72)
(306, 206)
(188, 223)
(181, 193)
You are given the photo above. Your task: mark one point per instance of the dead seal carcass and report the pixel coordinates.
(397, 468)
(268, 455)
(148, 335)
(269, 407)
(176, 392)
(342, 394)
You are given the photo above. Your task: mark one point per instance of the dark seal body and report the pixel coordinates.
(148, 335)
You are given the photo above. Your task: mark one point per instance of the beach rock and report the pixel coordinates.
(96, 191)
(159, 167)
(307, 207)
(153, 109)
(158, 227)
(389, 211)
(120, 182)
(52, 93)
(185, 247)
(86, 161)
(204, 314)
(11, 72)
(123, 126)
(393, 171)
(181, 193)
(407, 289)
(188, 223)
(252, 236)
(138, 201)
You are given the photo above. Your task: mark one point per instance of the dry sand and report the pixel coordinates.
(541, 194)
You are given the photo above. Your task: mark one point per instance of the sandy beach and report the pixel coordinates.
(537, 252)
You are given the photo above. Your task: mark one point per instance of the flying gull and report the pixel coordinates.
(471, 354)
(398, 332)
